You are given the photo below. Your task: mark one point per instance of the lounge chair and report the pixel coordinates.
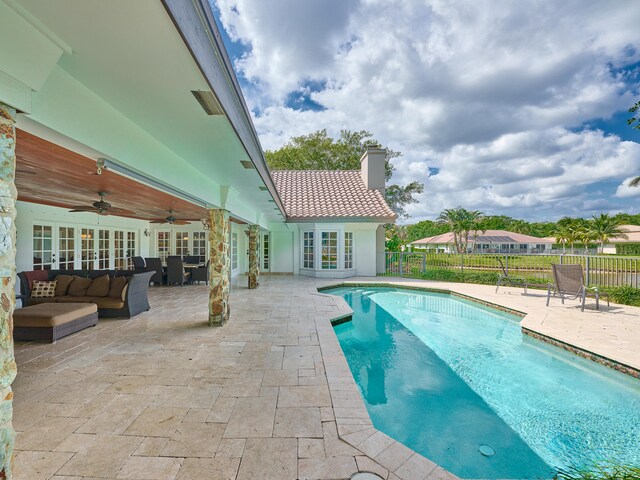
(569, 283)
(512, 281)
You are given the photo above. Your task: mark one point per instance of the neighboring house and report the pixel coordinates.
(633, 236)
(337, 217)
(489, 241)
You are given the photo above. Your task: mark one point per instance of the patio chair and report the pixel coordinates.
(569, 283)
(511, 280)
(138, 264)
(155, 265)
(192, 259)
(200, 274)
(175, 271)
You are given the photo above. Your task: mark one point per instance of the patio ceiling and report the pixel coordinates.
(126, 93)
(49, 174)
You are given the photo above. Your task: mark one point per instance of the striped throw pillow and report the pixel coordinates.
(42, 289)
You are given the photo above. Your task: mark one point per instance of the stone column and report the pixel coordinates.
(254, 256)
(220, 267)
(8, 195)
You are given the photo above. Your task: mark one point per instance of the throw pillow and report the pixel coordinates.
(79, 286)
(99, 287)
(41, 289)
(117, 286)
(62, 286)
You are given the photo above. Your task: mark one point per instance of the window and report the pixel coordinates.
(164, 245)
(348, 249)
(42, 247)
(182, 243)
(307, 250)
(329, 250)
(66, 248)
(199, 244)
(265, 251)
(234, 251)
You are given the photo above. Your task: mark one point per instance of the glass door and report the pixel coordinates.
(104, 249)
(131, 249)
(88, 253)
(119, 253)
(66, 248)
(163, 243)
(199, 245)
(234, 253)
(265, 252)
(182, 244)
(43, 253)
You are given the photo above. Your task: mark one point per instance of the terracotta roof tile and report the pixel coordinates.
(488, 236)
(311, 194)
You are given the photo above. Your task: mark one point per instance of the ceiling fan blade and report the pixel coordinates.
(120, 211)
(158, 221)
(181, 222)
(82, 208)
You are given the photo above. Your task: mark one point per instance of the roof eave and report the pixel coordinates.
(331, 219)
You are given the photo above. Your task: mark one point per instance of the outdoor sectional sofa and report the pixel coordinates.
(130, 301)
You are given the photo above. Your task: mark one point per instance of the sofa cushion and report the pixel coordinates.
(79, 286)
(75, 299)
(37, 301)
(42, 289)
(117, 287)
(42, 275)
(50, 315)
(62, 287)
(108, 302)
(99, 287)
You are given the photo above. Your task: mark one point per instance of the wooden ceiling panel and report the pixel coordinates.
(49, 174)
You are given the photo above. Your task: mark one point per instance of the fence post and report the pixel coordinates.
(506, 264)
(561, 259)
(401, 255)
(424, 262)
(462, 262)
(587, 265)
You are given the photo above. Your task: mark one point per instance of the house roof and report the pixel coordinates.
(632, 232)
(308, 195)
(488, 236)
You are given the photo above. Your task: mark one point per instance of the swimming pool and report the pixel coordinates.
(445, 376)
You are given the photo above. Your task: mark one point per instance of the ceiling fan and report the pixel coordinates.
(171, 220)
(101, 208)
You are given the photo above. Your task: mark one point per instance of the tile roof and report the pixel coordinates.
(488, 236)
(329, 194)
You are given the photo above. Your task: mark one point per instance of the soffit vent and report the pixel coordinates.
(261, 187)
(208, 102)
(247, 164)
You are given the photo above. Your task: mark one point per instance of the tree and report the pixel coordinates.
(318, 151)
(462, 224)
(634, 122)
(396, 238)
(604, 227)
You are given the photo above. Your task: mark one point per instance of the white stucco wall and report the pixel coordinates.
(282, 251)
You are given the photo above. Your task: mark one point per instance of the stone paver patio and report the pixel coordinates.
(267, 396)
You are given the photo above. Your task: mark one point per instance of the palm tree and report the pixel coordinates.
(563, 234)
(605, 227)
(462, 223)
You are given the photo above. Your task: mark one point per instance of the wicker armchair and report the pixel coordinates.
(200, 274)
(155, 265)
(175, 271)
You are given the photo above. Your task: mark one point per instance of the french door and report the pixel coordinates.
(86, 248)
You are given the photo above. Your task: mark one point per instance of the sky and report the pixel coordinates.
(512, 108)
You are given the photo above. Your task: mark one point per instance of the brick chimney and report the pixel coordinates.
(372, 168)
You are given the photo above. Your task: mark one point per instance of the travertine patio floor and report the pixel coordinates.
(267, 396)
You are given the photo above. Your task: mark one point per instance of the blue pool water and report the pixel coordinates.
(444, 376)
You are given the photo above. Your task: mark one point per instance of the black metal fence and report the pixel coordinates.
(605, 271)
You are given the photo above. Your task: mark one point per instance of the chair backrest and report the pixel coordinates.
(504, 270)
(568, 278)
(175, 269)
(138, 263)
(154, 264)
(192, 259)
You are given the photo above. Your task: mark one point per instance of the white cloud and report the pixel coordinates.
(486, 91)
(624, 190)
